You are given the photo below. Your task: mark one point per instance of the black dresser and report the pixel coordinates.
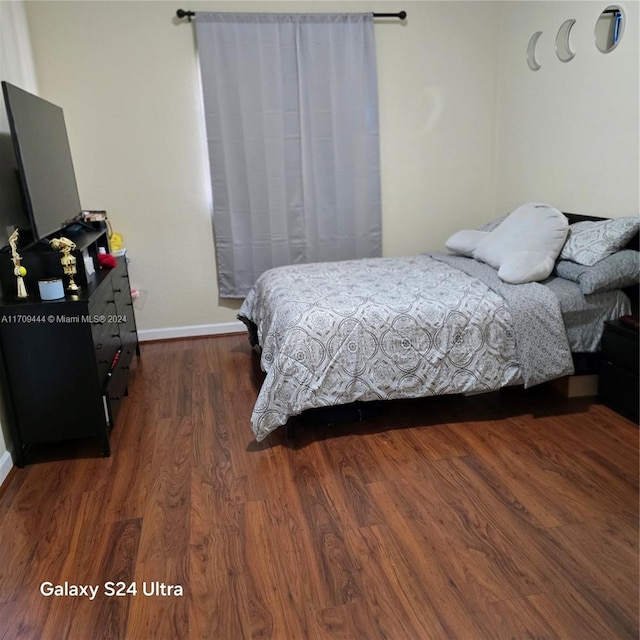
(618, 383)
(65, 363)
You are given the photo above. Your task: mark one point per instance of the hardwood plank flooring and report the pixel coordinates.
(507, 515)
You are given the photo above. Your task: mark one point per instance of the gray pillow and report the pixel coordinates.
(621, 269)
(590, 241)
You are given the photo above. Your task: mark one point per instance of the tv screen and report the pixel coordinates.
(43, 155)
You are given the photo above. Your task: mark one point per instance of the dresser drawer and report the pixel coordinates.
(102, 307)
(106, 342)
(116, 388)
(620, 346)
(102, 295)
(618, 389)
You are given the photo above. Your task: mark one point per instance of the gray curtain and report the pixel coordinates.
(291, 108)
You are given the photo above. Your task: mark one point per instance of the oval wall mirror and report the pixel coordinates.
(609, 28)
(531, 51)
(563, 46)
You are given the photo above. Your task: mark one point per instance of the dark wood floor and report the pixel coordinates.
(509, 515)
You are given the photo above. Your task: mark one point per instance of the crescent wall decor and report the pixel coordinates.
(563, 45)
(531, 51)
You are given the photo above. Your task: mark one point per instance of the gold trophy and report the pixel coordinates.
(68, 261)
(18, 270)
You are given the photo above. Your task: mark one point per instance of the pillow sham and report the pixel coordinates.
(589, 242)
(621, 269)
(525, 245)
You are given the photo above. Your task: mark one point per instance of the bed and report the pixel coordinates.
(380, 329)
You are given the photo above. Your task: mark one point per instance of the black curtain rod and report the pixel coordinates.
(401, 15)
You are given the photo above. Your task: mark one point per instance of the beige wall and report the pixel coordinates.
(568, 133)
(126, 76)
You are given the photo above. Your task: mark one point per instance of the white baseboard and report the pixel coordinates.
(193, 331)
(6, 464)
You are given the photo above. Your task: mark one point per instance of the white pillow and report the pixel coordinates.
(464, 242)
(492, 224)
(524, 247)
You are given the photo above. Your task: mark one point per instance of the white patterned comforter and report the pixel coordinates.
(387, 328)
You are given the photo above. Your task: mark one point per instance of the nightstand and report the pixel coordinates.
(618, 384)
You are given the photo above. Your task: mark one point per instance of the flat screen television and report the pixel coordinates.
(43, 156)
